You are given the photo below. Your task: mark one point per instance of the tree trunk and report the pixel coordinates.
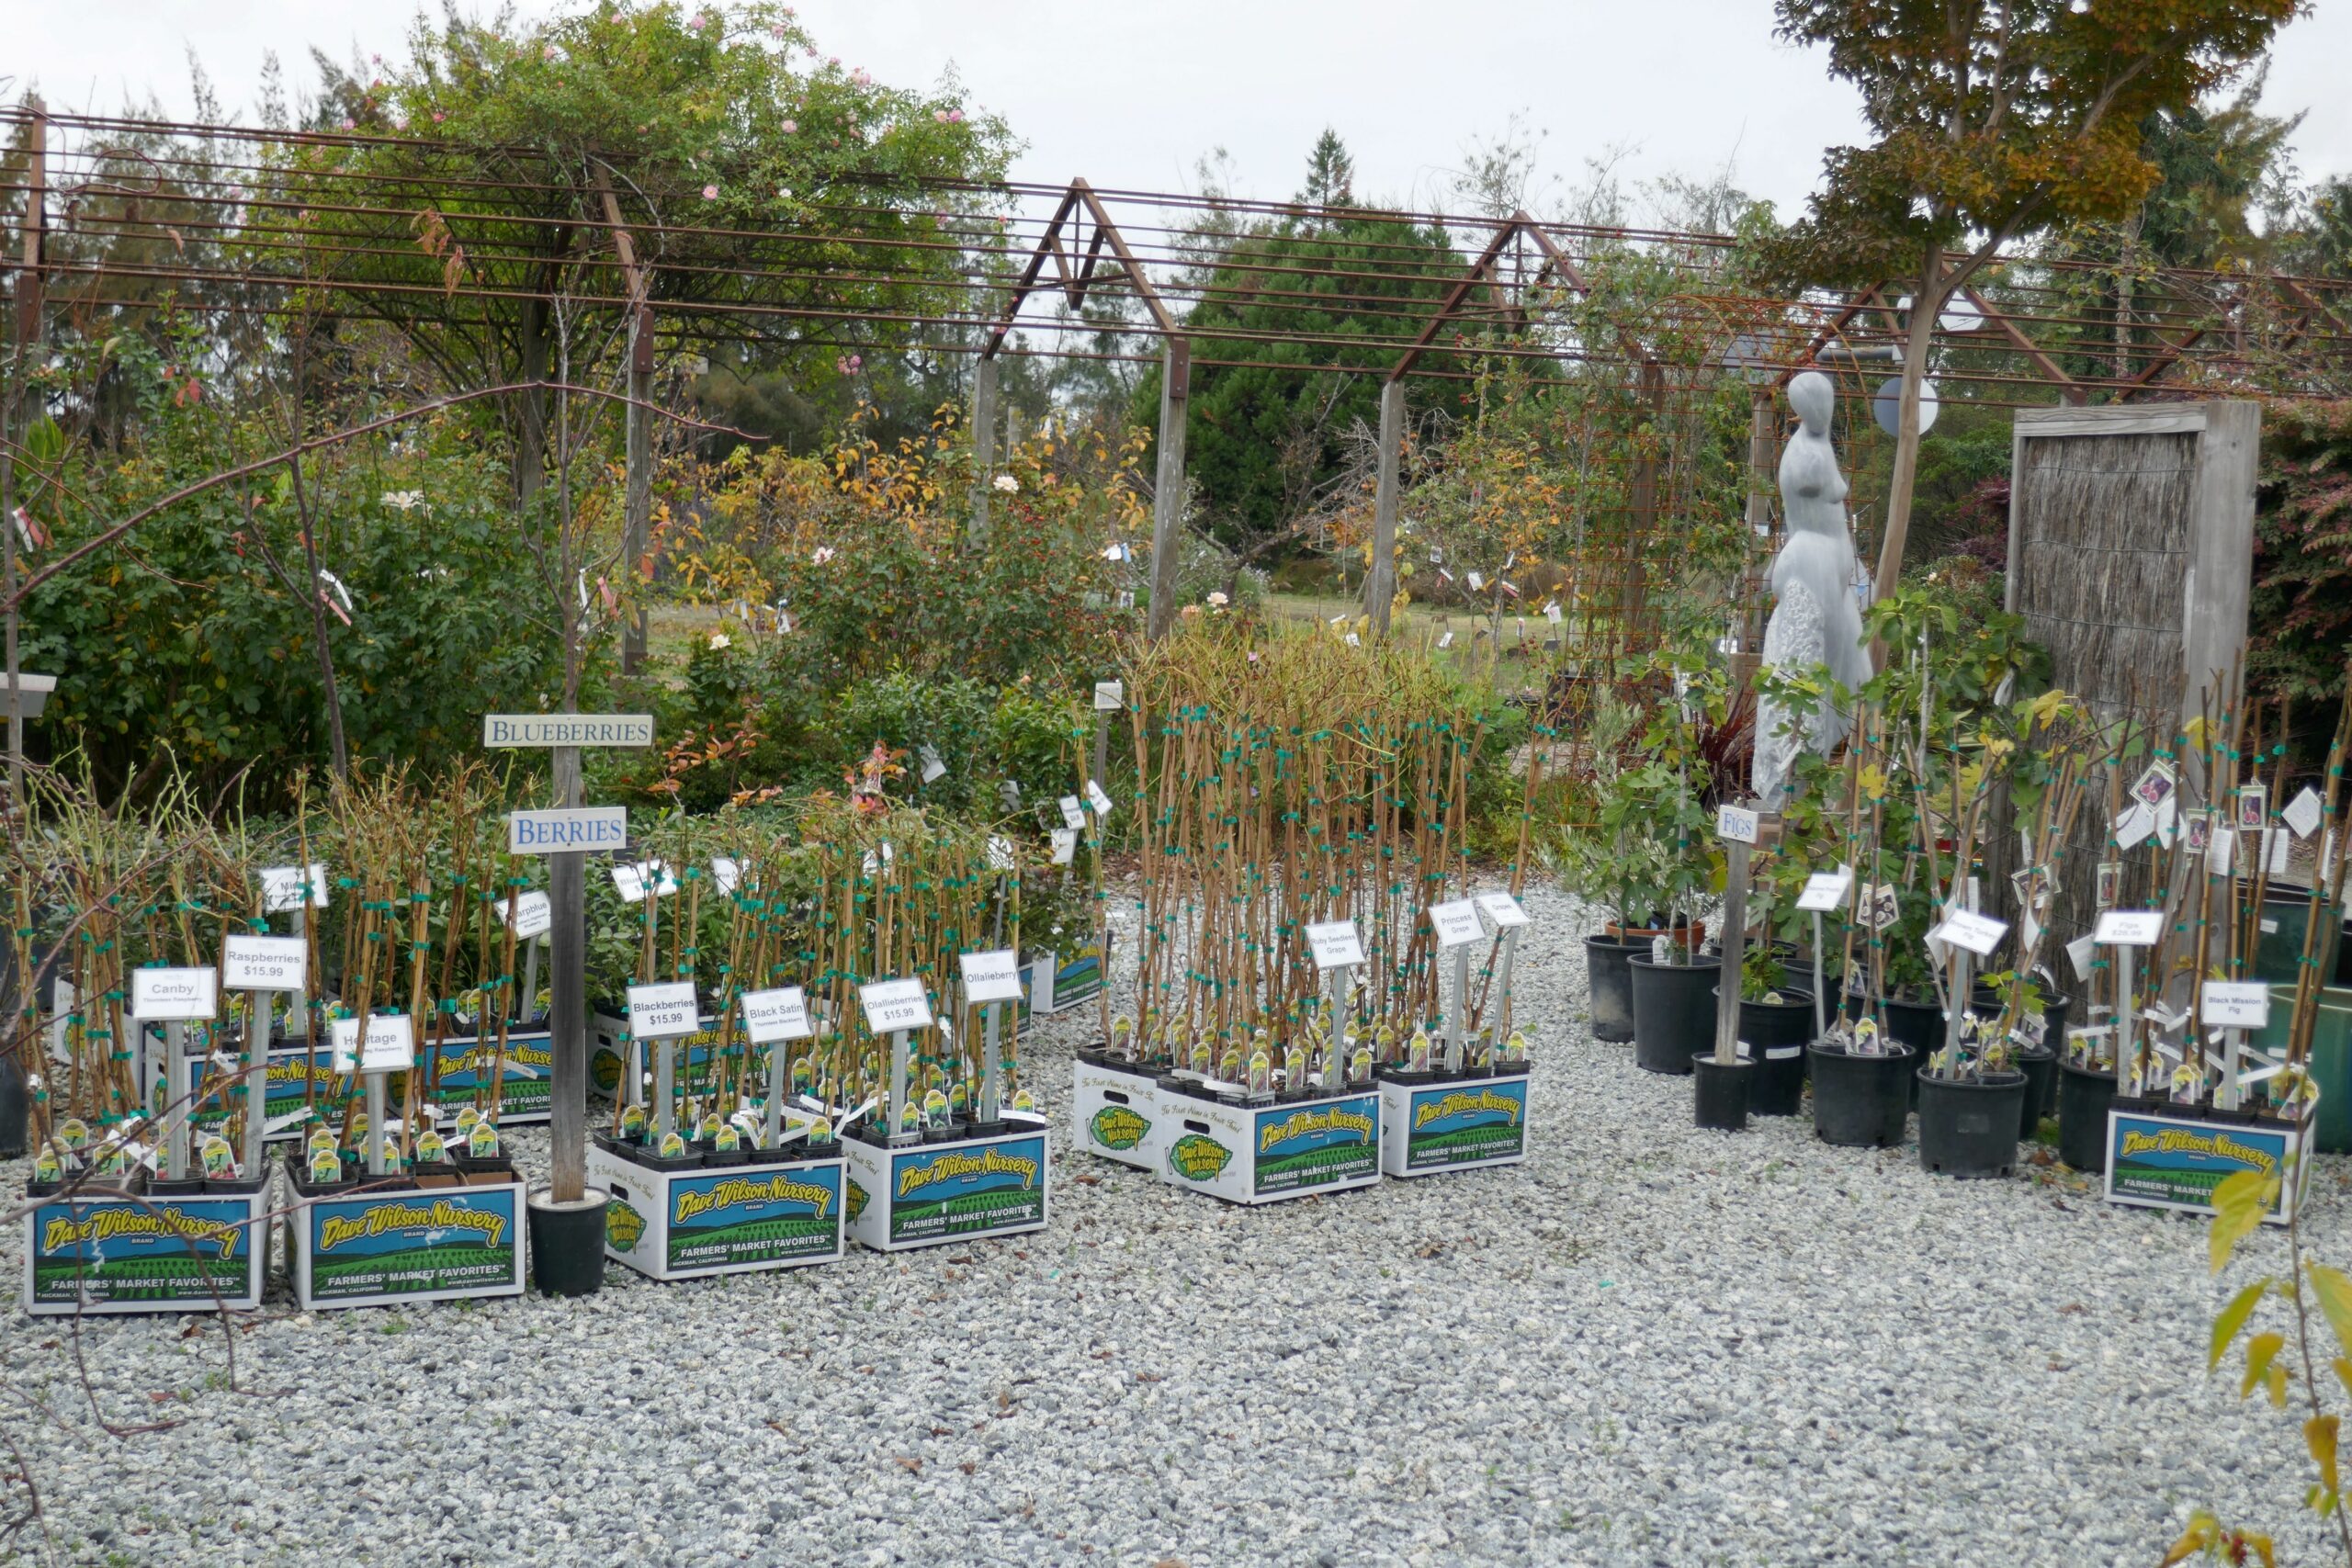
(531, 440)
(1925, 306)
(312, 590)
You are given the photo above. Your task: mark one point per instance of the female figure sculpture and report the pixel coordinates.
(1816, 617)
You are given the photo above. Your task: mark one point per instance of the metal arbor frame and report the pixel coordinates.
(129, 215)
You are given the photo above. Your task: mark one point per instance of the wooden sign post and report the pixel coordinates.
(567, 836)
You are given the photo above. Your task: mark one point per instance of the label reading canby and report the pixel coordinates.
(175, 994)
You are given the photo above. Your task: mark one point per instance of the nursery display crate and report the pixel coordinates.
(299, 1078)
(1266, 1151)
(467, 1061)
(138, 1250)
(1437, 1121)
(685, 1219)
(428, 1237)
(2161, 1155)
(1056, 982)
(1115, 1106)
(956, 1188)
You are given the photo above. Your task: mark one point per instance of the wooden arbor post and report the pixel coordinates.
(1080, 208)
(636, 515)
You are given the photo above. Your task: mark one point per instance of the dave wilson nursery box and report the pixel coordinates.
(1117, 1109)
(1265, 1151)
(415, 1238)
(770, 1211)
(131, 1250)
(467, 1063)
(1433, 1122)
(610, 1047)
(2172, 1156)
(960, 1188)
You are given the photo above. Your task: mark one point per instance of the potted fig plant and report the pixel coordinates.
(1603, 864)
(1656, 811)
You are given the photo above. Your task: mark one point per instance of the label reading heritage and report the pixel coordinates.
(1455, 922)
(664, 1012)
(2235, 1004)
(264, 962)
(893, 1005)
(777, 1015)
(507, 730)
(390, 1048)
(590, 829)
(174, 995)
(2129, 928)
(990, 977)
(1335, 943)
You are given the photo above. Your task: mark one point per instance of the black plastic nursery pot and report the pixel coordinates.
(1919, 1025)
(2084, 1100)
(1968, 1128)
(568, 1242)
(2040, 1070)
(1611, 987)
(1674, 1012)
(1776, 1035)
(1860, 1103)
(1720, 1092)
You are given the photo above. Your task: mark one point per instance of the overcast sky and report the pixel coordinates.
(1131, 93)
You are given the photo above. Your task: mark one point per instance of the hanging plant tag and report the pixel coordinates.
(2154, 787)
(1335, 944)
(1097, 799)
(933, 770)
(2253, 806)
(2235, 1004)
(631, 881)
(1882, 907)
(1065, 845)
(2302, 813)
(2135, 826)
(1073, 813)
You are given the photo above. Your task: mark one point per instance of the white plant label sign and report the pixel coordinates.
(281, 887)
(1073, 813)
(2235, 1004)
(1065, 845)
(893, 1005)
(2129, 928)
(175, 996)
(390, 1046)
(1502, 908)
(631, 881)
(667, 1011)
(264, 963)
(590, 829)
(1735, 824)
(1455, 923)
(529, 913)
(1097, 799)
(1335, 944)
(1980, 934)
(1825, 890)
(1110, 697)
(770, 1017)
(990, 977)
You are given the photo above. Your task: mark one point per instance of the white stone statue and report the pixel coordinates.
(1816, 617)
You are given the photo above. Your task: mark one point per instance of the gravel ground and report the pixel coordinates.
(1646, 1345)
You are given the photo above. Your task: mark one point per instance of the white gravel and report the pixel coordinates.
(1646, 1345)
